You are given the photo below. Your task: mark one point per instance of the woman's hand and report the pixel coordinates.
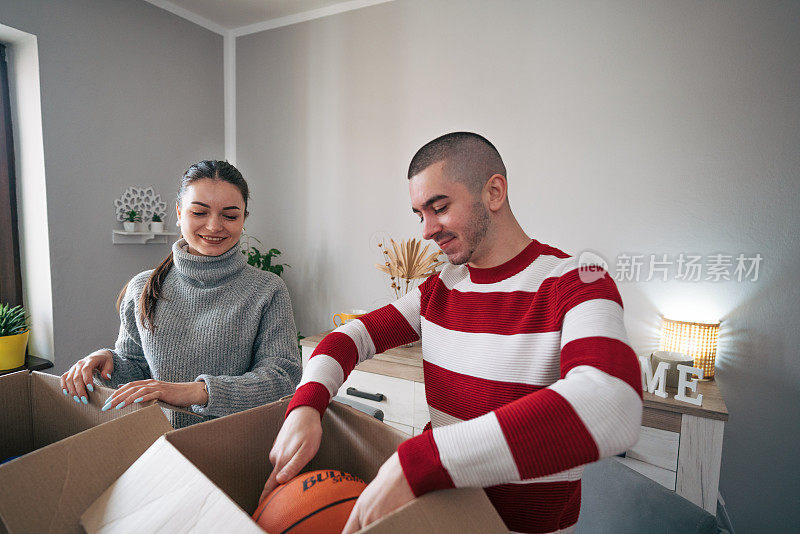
(297, 443)
(181, 394)
(78, 379)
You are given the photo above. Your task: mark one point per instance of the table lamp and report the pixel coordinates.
(698, 340)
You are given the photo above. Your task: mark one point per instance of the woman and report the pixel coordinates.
(203, 330)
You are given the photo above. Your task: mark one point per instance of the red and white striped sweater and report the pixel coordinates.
(528, 376)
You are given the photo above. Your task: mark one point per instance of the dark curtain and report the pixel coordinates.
(10, 274)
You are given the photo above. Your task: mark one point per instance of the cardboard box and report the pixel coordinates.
(208, 477)
(69, 453)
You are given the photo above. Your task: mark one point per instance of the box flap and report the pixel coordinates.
(465, 511)
(16, 438)
(56, 416)
(233, 451)
(163, 492)
(46, 490)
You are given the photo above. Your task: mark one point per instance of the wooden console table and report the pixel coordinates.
(680, 444)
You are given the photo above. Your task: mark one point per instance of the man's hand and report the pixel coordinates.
(388, 492)
(297, 443)
(176, 393)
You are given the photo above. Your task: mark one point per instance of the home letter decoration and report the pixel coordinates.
(654, 382)
(684, 382)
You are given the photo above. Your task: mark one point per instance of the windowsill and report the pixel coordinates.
(32, 363)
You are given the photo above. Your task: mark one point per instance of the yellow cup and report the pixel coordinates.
(347, 316)
(12, 351)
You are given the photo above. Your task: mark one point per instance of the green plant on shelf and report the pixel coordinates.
(132, 216)
(156, 218)
(13, 321)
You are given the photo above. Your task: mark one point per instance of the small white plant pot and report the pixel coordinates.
(129, 226)
(157, 227)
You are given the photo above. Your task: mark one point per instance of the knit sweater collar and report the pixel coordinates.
(206, 270)
(508, 269)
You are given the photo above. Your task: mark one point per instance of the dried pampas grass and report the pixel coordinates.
(407, 263)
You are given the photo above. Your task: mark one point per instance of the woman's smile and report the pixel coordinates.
(213, 239)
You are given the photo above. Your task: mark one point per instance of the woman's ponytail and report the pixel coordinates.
(152, 292)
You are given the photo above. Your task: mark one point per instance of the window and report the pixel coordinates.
(10, 273)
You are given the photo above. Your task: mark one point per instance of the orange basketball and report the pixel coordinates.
(317, 502)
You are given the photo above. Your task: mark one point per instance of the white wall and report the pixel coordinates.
(130, 95)
(649, 128)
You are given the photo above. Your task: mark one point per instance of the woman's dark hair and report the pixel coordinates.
(206, 169)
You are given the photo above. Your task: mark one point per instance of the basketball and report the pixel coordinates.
(317, 502)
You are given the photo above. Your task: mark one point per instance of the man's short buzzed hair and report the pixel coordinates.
(469, 158)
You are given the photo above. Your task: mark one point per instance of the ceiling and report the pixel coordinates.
(231, 14)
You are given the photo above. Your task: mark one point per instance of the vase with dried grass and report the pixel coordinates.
(408, 264)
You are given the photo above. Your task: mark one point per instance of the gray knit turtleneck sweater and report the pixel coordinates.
(219, 320)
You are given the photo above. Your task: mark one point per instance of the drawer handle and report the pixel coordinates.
(364, 395)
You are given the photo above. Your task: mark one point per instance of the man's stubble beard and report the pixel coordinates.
(474, 234)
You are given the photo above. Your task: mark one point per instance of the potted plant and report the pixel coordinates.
(130, 220)
(13, 336)
(156, 224)
(261, 260)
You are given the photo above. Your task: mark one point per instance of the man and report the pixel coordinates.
(528, 374)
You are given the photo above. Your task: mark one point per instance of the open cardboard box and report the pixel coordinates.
(68, 453)
(208, 478)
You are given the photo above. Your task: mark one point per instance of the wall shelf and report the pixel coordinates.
(121, 237)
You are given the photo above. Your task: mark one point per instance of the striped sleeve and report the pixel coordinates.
(340, 351)
(592, 411)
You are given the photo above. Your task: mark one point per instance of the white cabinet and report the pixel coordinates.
(387, 383)
(657, 447)
(397, 395)
(680, 444)
(655, 456)
(405, 429)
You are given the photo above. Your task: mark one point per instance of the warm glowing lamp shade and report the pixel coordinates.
(698, 340)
